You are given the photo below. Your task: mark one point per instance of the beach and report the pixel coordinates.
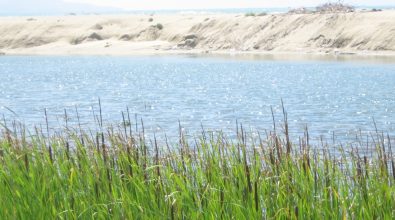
(363, 33)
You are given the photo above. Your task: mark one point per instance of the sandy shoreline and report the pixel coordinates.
(360, 33)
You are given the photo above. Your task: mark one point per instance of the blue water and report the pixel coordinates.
(327, 96)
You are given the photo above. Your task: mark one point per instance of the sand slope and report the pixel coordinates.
(359, 32)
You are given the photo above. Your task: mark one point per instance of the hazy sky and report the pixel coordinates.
(177, 4)
(17, 7)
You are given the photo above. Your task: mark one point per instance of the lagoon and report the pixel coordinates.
(327, 95)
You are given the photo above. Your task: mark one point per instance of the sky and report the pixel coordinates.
(193, 4)
(18, 7)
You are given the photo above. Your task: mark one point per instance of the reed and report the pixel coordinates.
(120, 173)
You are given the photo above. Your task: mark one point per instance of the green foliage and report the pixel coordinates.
(250, 14)
(116, 175)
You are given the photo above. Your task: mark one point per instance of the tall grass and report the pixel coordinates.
(119, 173)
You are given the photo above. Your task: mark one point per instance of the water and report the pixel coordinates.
(327, 96)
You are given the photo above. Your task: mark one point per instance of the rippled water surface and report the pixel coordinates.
(214, 92)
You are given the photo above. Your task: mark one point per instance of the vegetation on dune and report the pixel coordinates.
(335, 7)
(329, 7)
(159, 26)
(262, 14)
(118, 173)
(250, 14)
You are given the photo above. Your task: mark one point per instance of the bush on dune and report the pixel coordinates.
(335, 8)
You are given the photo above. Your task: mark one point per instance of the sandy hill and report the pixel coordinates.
(357, 32)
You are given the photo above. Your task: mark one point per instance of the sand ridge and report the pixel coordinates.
(357, 32)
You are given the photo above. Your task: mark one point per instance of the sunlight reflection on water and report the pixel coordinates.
(210, 91)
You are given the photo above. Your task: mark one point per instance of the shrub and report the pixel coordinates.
(150, 20)
(159, 26)
(262, 14)
(250, 14)
(335, 8)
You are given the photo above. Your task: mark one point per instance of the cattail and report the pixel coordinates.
(393, 168)
(103, 148)
(129, 158)
(26, 162)
(288, 143)
(50, 153)
(67, 150)
(296, 212)
(278, 148)
(222, 202)
(359, 169)
(124, 125)
(365, 159)
(256, 195)
(96, 190)
(97, 143)
(172, 211)
(247, 170)
(109, 180)
(271, 156)
(157, 157)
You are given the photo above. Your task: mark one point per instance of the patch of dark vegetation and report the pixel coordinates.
(338, 7)
(262, 14)
(335, 8)
(97, 27)
(95, 36)
(127, 37)
(159, 26)
(250, 14)
(92, 37)
(148, 34)
(189, 41)
(327, 42)
(376, 10)
(340, 42)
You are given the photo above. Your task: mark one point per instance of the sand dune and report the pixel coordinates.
(358, 32)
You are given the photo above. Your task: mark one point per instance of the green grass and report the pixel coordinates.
(120, 174)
